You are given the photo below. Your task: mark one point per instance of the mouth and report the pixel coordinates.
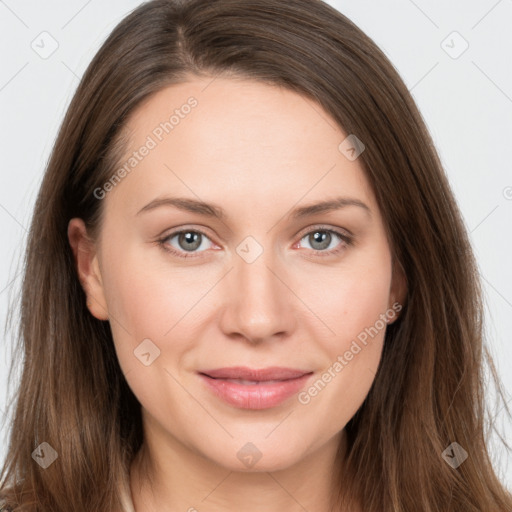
(247, 388)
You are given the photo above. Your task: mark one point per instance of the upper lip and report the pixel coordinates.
(242, 372)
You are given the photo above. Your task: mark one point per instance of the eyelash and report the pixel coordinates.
(347, 239)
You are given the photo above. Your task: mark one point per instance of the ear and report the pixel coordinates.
(398, 291)
(87, 267)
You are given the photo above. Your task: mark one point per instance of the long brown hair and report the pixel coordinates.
(429, 389)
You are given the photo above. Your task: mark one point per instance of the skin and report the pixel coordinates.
(257, 151)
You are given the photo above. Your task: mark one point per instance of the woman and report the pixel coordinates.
(258, 289)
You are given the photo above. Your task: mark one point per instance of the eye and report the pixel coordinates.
(186, 241)
(322, 238)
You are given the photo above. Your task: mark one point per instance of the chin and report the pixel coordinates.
(257, 456)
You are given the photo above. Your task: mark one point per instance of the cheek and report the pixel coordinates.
(354, 307)
(350, 299)
(153, 301)
(148, 296)
(352, 355)
(148, 310)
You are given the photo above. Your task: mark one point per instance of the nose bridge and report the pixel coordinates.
(255, 280)
(260, 304)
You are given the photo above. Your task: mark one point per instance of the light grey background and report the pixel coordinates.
(465, 99)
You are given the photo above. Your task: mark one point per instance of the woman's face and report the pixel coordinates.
(255, 280)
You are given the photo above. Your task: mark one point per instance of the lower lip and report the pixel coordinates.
(255, 396)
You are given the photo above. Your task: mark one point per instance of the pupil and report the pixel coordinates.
(190, 238)
(323, 238)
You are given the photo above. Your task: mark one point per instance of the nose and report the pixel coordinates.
(258, 302)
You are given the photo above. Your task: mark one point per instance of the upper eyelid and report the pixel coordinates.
(323, 227)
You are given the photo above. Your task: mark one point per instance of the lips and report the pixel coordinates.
(275, 373)
(246, 388)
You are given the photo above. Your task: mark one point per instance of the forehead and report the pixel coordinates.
(223, 138)
(231, 113)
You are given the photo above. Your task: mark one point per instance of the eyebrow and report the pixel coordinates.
(215, 211)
